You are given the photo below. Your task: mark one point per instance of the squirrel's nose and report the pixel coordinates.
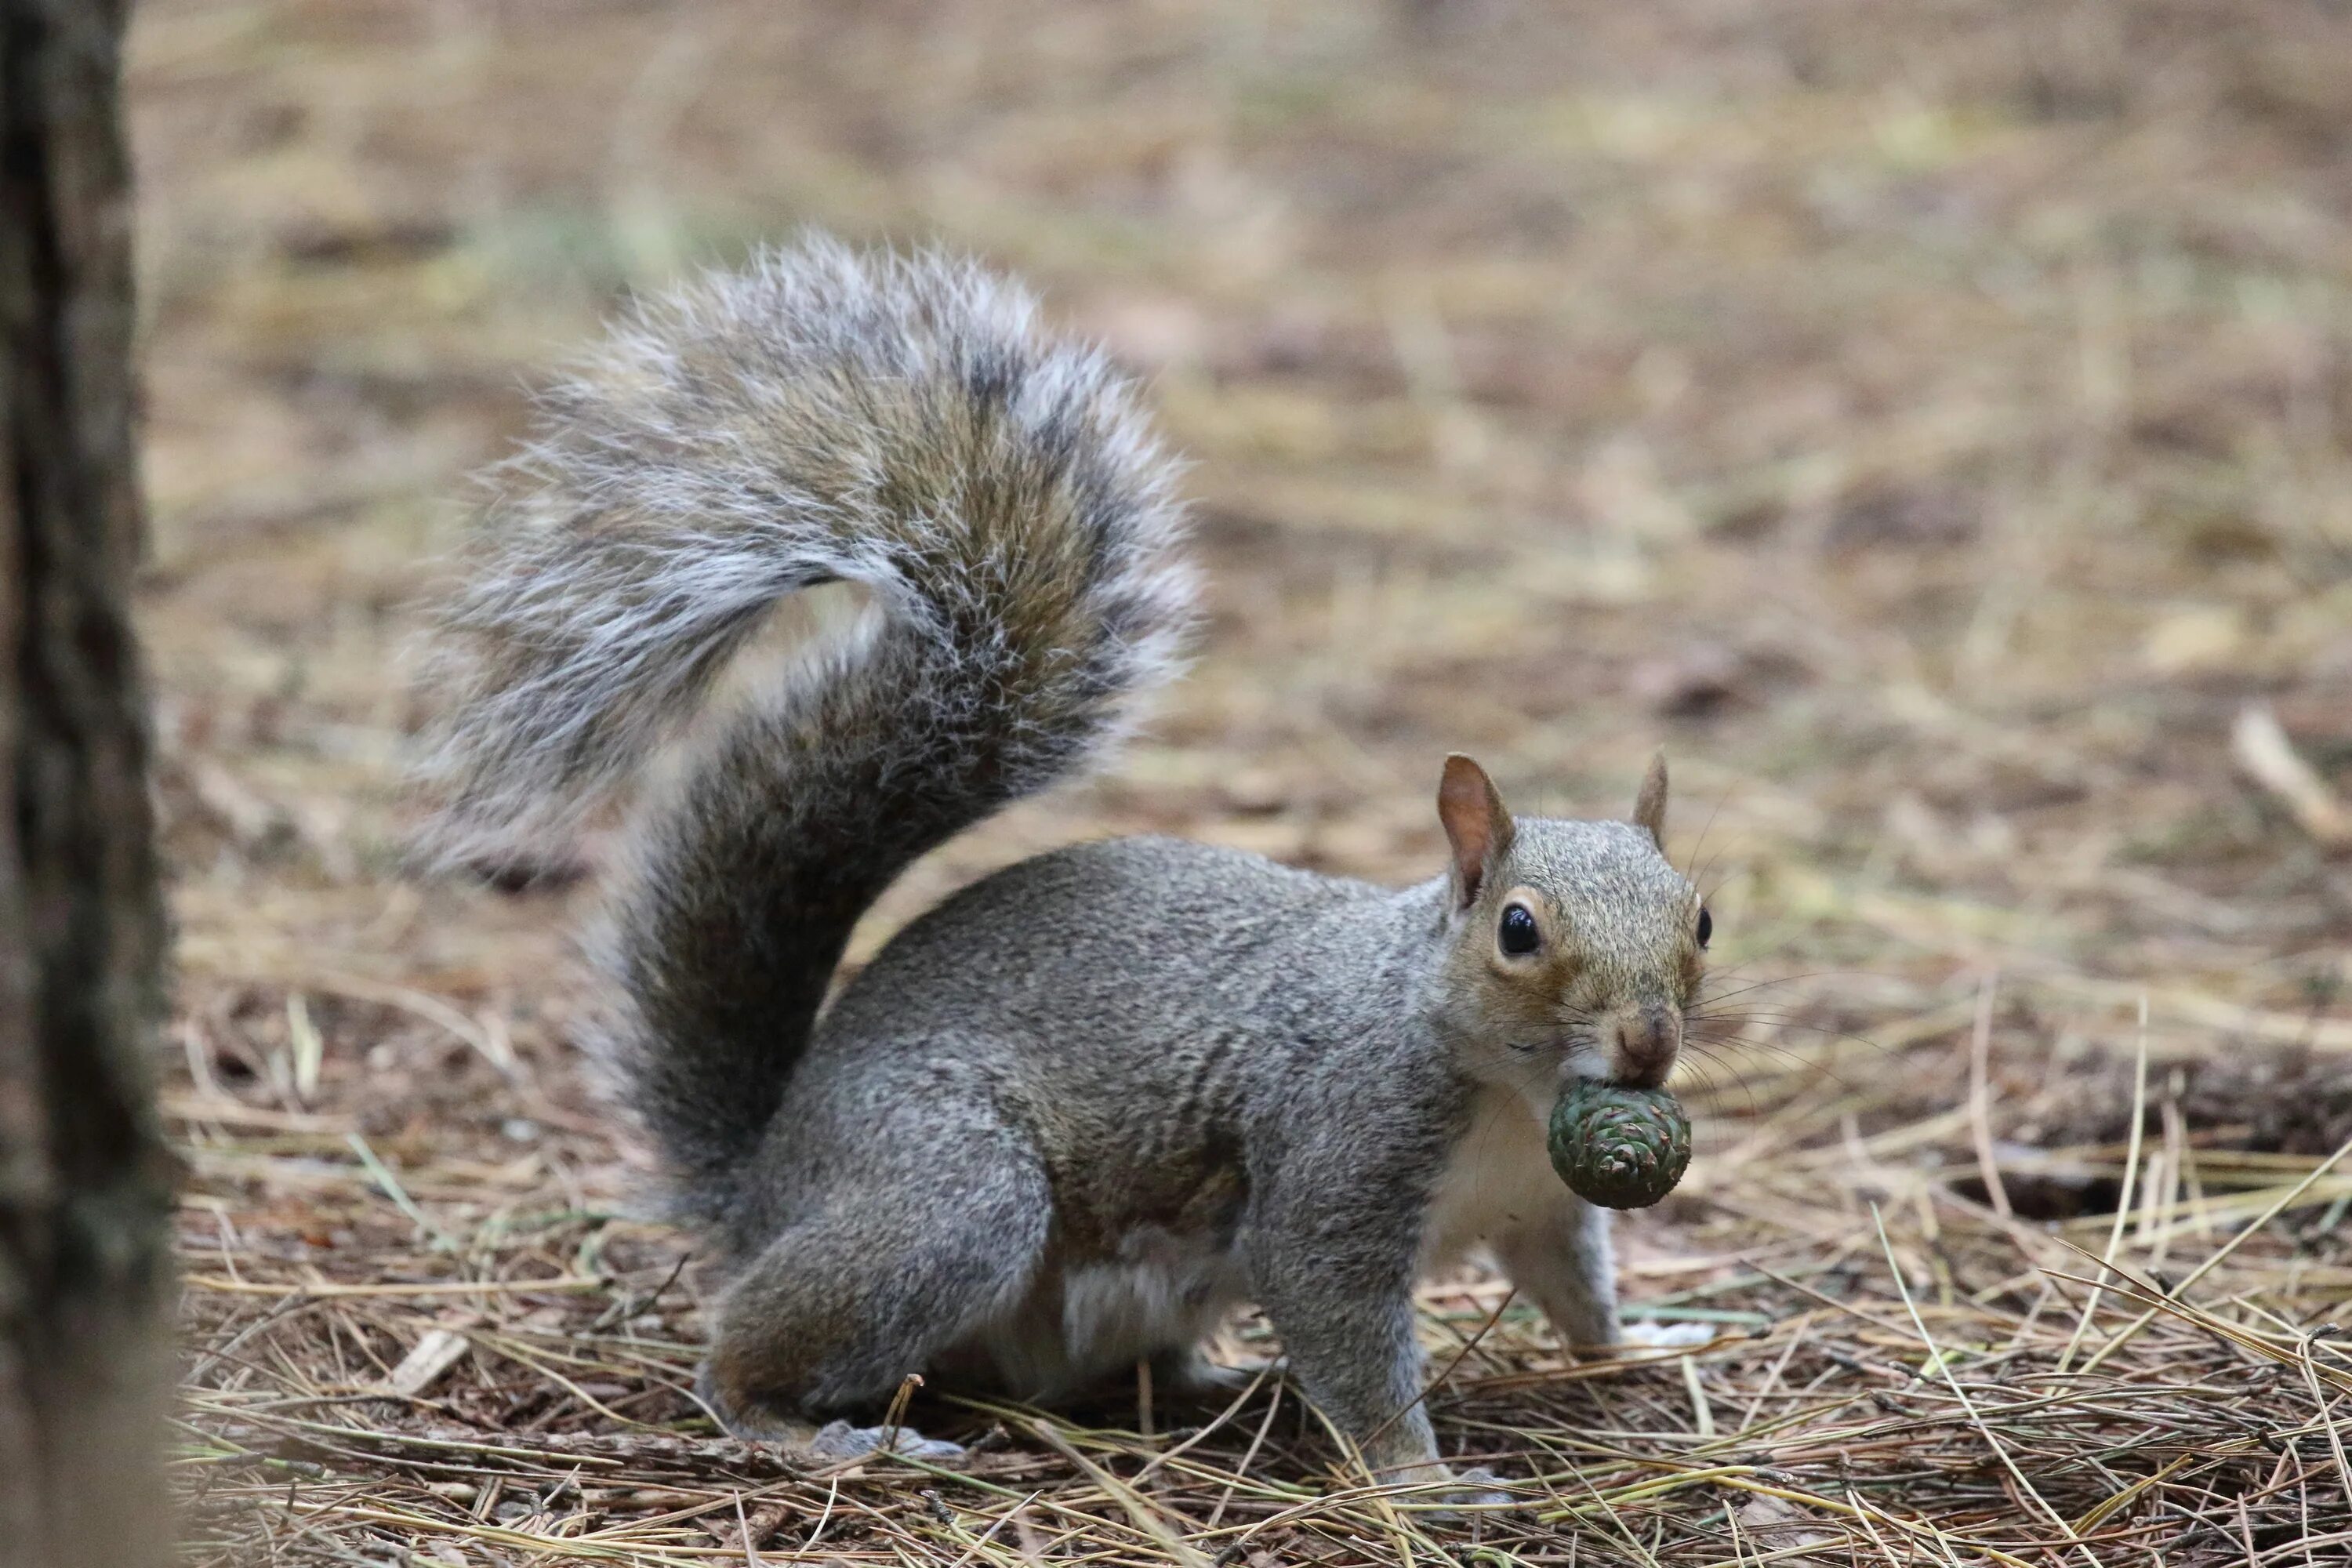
(1647, 1039)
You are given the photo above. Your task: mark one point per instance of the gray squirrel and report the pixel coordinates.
(1068, 1119)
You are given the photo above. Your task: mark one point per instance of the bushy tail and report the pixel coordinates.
(822, 416)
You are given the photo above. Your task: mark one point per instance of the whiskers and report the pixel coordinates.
(1578, 1038)
(1727, 1029)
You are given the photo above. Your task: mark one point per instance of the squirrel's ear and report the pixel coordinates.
(1476, 824)
(1650, 805)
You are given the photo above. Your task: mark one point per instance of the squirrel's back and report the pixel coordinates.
(1135, 1009)
(822, 416)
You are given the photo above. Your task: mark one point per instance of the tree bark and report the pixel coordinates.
(85, 1179)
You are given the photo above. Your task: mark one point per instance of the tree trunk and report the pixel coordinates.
(85, 1183)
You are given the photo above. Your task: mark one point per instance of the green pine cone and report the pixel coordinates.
(1620, 1148)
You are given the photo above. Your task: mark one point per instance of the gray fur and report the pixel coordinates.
(1070, 1117)
(899, 424)
(821, 416)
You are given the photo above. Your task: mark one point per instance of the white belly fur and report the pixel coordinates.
(1162, 1292)
(1498, 1178)
(1166, 1292)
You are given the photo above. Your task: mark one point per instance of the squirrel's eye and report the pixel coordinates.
(1706, 926)
(1518, 935)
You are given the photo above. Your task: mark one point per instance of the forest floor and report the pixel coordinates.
(1932, 424)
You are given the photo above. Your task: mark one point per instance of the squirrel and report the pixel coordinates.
(1069, 1118)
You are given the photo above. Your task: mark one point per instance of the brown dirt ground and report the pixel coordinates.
(1933, 424)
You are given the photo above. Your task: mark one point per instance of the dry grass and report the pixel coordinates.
(1935, 423)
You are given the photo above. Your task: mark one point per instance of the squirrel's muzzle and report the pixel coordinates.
(1642, 1042)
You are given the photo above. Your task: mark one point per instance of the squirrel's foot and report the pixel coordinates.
(1663, 1336)
(758, 1423)
(840, 1440)
(1477, 1488)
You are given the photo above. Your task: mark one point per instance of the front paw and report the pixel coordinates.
(1478, 1487)
(1443, 1492)
(1655, 1336)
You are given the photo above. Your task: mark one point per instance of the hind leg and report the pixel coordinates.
(931, 1233)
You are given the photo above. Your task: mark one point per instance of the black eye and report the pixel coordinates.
(1706, 926)
(1518, 935)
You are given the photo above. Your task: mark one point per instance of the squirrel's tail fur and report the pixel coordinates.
(822, 415)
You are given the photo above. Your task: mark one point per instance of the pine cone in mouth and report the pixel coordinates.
(1621, 1147)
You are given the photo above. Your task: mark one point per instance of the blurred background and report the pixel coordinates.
(1931, 423)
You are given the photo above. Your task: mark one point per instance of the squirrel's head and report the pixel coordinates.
(1573, 946)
